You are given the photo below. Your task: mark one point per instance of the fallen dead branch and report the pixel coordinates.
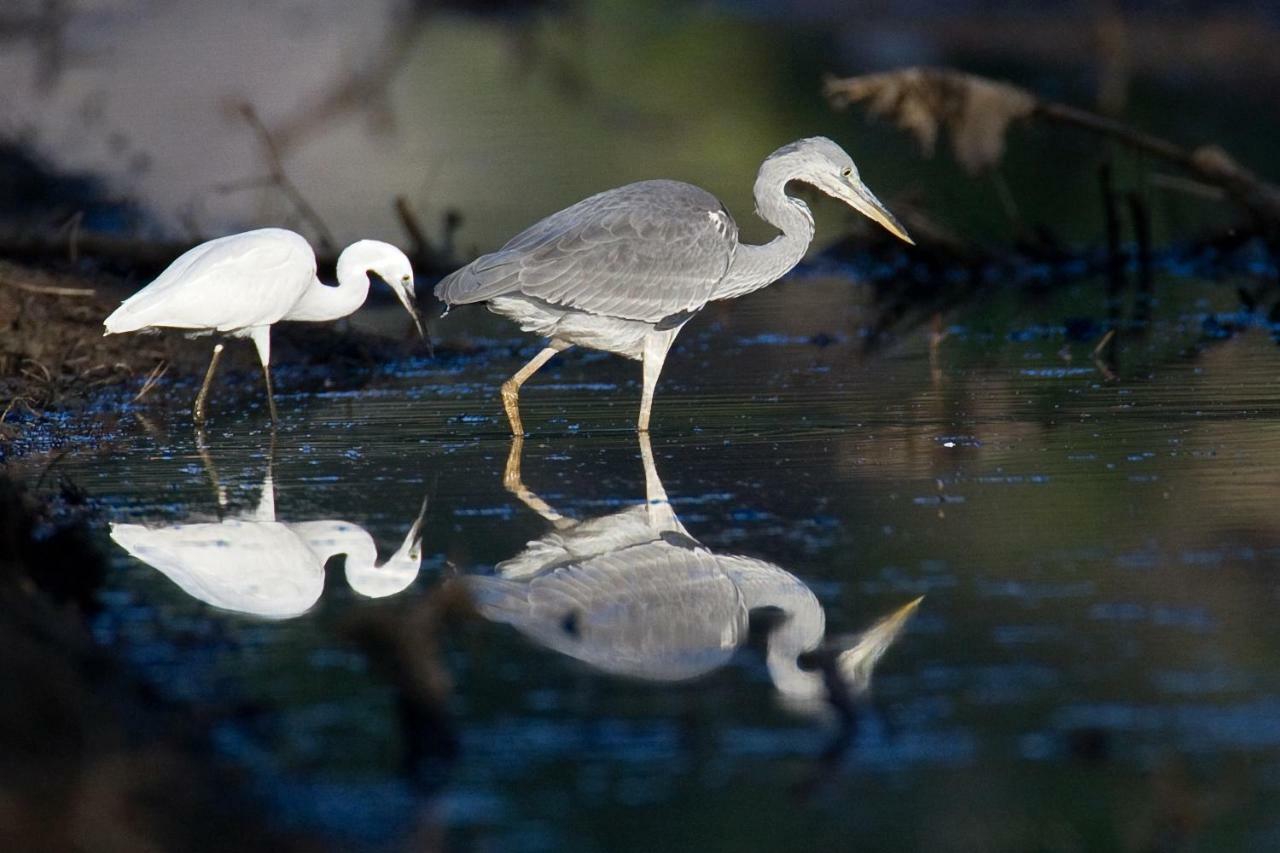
(977, 113)
(47, 290)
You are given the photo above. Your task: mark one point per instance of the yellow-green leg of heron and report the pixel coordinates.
(198, 410)
(513, 483)
(511, 388)
(655, 355)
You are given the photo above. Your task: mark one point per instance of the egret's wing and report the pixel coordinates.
(234, 282)
(250, 567)
(646, 251)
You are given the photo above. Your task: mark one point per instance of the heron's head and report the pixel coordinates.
(825, 165)
(392, 266)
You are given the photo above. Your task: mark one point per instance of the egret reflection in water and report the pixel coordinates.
(252, 563)
(633, 594)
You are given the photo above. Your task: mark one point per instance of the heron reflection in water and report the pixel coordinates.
(251, 563)
(633, 594)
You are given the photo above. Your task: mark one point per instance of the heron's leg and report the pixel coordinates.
(262, 340)
(197, 411)
(512, 482)
(655, 354)
(511, 388)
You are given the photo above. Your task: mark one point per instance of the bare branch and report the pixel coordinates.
(280, 178)
(977, 112)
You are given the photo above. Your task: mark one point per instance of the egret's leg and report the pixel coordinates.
(511, 388)
(655, 354)
(202, 448)
(271, 394)
(262, 340)
(197, 411)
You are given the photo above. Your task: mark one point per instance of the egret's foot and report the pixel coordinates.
(511, 402)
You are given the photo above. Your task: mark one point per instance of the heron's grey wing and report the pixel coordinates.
(585, 539)
(658, 610)
(233, 282)
(646, 251)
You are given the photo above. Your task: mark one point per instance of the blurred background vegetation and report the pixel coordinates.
(128, 114)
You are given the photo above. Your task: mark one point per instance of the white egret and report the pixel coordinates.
(256, 565)
(240, 285)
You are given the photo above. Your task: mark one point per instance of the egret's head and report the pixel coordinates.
(825, 165)
(392, 266)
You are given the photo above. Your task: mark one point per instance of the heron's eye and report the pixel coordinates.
(847, 171)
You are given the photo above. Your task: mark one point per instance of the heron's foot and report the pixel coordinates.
(511, 402)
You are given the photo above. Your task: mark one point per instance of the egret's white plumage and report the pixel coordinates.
(256, 565)
(624, 270)
(242, 284)
(231, 285)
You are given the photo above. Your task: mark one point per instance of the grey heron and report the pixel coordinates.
(242, 284)
(624, 270)
(632, 593)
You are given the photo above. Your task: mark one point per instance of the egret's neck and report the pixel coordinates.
(320, 302)
(327, 539)
(755, 267)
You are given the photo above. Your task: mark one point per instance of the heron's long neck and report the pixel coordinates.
(765, 585)
(320, 302)
(755, 267)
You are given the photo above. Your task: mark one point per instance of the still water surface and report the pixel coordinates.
(1093, 665)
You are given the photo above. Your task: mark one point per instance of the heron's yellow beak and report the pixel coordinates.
(856, 195)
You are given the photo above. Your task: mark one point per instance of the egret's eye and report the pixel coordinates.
(405, 279)
(847, 171)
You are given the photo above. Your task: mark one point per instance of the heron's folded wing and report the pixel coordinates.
(644, 252)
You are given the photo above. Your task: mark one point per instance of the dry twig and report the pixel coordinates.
(46, 290)
(977, 113)
(278, 177)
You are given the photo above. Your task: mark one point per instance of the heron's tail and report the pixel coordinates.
(484, 278)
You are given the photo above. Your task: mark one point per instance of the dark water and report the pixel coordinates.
(1093, 664)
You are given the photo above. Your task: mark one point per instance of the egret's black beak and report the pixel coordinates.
(409, 299)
